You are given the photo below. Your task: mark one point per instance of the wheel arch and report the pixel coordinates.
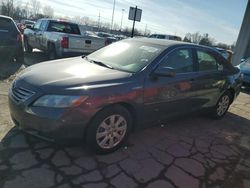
(129, 107)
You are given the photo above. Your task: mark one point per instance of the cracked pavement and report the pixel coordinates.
(191, 152)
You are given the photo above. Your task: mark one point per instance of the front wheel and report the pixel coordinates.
(109, 129)
(222, 105)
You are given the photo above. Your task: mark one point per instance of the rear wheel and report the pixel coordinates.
(222, 105)
(52, 52)
(109, 129)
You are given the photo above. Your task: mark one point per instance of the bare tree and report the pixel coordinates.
(35, 6)
(85, 20)
(193, 37)
(7, 7)
(207, 41)
(196, 38)
(26, 10)
(48, 11)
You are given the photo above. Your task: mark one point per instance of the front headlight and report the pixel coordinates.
(59, 101)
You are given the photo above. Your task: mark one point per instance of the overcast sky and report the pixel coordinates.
(221, 19)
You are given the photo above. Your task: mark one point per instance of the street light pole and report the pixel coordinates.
(122, 18)
(112, 22)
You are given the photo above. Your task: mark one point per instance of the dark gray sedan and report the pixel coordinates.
(11, 42)
(120, 88)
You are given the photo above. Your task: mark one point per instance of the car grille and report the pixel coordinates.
(21, 94)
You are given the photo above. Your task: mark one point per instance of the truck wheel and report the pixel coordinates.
(27, 47)
(52, 52)
(109, 129)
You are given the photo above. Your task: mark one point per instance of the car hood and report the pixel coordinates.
(71, 72)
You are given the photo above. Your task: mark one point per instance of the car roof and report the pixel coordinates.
(171, 43)
(7, 17)
(166, 43)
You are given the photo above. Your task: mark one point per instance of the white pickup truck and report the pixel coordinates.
(60, 39)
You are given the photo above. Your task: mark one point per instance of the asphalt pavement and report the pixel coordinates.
(191, 152)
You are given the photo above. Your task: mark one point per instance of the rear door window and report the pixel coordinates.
(161, 37)
(206, 61)
(64, 27)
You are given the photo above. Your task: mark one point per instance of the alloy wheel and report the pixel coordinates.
(223, 105)
(111, 131)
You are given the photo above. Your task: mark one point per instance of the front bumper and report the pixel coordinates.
(50, 123)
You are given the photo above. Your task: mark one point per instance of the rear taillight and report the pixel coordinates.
(65, 42)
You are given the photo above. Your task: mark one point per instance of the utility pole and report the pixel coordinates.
(122, 18)
(112, 22)
(99, 20)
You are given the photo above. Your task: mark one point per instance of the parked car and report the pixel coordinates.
(168, 37)
(119, 88)
(110, 38)
(59, 38)
(11, 42)
(245, 69)
(120, 37)
(28, 22)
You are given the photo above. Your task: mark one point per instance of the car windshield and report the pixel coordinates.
(128, 56)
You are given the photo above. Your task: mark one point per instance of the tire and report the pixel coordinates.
(27, 47)
(103, 136)
(222, 105)
(51, 52)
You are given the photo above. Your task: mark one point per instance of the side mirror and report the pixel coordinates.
(164, 72)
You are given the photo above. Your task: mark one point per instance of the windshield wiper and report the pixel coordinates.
(102, 64)
(98, 63)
